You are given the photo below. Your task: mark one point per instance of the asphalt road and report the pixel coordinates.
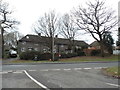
(82, 75)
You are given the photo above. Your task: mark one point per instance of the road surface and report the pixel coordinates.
(81, 75)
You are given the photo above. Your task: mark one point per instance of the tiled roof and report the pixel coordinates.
(43, 39)
(95, 43)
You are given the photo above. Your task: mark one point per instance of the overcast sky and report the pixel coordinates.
(28, 11)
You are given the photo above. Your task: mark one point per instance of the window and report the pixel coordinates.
(23, 49)
(36, 49)
(36, 44)
(62, 45)
(23, 43)
(30, 48)
(44, 50)
(27, 37)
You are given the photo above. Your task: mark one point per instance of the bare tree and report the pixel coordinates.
(47, 26)
(68, 29)
(96, 19)
(6, 22)
(11, 38)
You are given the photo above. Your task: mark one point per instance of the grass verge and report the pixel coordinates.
(112, 71)
(91, 58)
(74, 59)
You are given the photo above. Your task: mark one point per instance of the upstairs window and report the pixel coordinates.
(23, 43)
(36, 49)
(27, 37)
(36, 44)
(23, 49)
(30, 48)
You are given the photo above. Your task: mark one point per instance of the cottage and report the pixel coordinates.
(42, 44)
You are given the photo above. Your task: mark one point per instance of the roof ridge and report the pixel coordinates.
(48, 37)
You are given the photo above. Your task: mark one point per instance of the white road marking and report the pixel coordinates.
(3, 72)
(67, 69)
(10, 71)
(32, 70)
(44, 70)
(55, 69)
(97, 67)
(113, 84)
(104, 67)
(41, 85)
(18, 72)
(87, 68)
(77, 68)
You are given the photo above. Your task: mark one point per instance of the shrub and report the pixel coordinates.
(68, 55)
(95, 52)
(34, 55)
(29, 55)
(46, 56)
(81, 53)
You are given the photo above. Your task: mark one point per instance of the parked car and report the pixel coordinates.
(13, 54)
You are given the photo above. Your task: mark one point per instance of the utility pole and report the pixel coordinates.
(53, 48)
(1, 42)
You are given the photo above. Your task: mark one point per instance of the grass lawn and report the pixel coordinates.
(91, 58)
(74, 59)
(112, 71)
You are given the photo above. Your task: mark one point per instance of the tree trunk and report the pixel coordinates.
(102, 49)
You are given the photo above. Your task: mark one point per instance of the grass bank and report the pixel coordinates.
(112, 71)
(91, 58)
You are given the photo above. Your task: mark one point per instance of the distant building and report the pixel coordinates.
(94, 45)
(41, 44)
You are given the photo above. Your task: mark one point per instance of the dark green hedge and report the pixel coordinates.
(29, 55)
(95, 53)
(34, 55)
(68, 55)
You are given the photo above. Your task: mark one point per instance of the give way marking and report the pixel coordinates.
(40, 84)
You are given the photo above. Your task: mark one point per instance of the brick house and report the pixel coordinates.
(41, 43)
(94, 46)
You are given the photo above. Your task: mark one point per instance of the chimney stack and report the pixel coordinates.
(56, 36)
(39, 34)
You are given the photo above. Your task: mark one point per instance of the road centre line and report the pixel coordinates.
(67, 69)
(3, 72)
(44, 70)
(113, 84)
(104, 67)
(87, 68)
(77, 68)
(55, 69)
(58, 69)
(10, 71)
(32, 70)
(98, 67)
(40, 84)
(18, 72)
